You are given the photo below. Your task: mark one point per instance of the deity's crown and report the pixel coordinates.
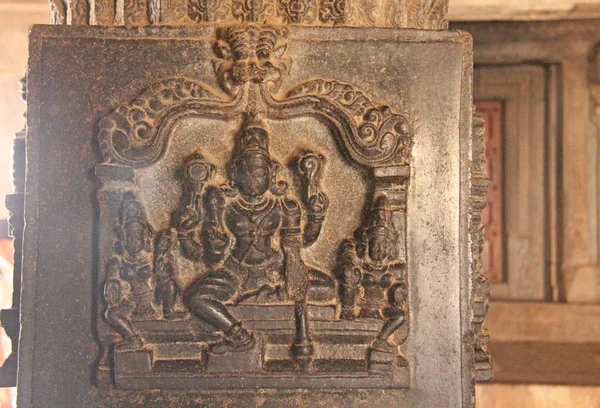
(133, 211)
(254, 136)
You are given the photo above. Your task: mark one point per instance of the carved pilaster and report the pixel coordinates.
(481, 287)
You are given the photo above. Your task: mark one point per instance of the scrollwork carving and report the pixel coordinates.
(377, 133)
(204, 10)
(252, 11)
(428, 14)
(332, 11)
(297, 11)
(129, 134)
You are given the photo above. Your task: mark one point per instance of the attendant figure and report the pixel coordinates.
(128, 291)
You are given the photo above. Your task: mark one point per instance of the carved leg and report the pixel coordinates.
(213, 312)
(302, 349)
(348, 300)
(389, 328)
(119, 320)
(169, 297)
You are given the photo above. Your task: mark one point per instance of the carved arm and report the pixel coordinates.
(316, 201)
(291, 243)
(213, 231)
(112, 287)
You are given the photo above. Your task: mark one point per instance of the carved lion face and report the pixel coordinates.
(251, 54)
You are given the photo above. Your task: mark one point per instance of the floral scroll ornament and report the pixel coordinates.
(376, 135)
(202, 11)
(297, 11)
(332, 11)
(252, 11)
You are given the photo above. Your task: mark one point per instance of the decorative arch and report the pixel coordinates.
(136, 134)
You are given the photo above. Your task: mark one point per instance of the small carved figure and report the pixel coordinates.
(241, 223)
(129, 286)
(166, 291)
(367, 265)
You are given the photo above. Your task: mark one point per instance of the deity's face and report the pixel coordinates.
(135, 234)
(253, 174)
(379, 245)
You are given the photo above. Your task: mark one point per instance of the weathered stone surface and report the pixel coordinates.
(252, 224)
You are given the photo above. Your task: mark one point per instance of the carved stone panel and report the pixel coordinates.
(246, 216)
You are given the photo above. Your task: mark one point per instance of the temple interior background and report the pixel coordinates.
(537, 84)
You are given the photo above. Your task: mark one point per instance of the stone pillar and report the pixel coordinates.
(299, 216)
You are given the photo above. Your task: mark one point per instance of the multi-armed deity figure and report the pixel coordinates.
(128, 291)
(372, 281)
(249, 234)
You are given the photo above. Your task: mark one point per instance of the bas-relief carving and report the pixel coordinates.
(242, 229)
(481, 287)
(424, 14)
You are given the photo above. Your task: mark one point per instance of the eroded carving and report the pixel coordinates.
(252, 11)
(430, 14)
(175, 12)
(137, 12)
(205, 10)
(332, 11)
(78, 12)
(297, 11)
(481, 287)
(58, 12)
(103, 12)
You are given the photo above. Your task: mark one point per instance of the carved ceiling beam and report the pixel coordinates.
(421, 14)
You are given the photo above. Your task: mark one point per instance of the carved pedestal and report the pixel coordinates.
(250, 214)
